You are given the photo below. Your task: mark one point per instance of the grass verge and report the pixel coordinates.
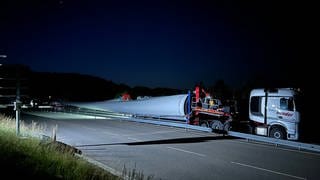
(26, 156)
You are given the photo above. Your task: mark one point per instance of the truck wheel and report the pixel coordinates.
(203, 124)
(226, 126)
(216, 125)
(278, 133)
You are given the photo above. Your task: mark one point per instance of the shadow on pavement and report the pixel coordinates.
(166, 141)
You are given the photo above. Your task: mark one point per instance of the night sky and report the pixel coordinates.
(155, 43)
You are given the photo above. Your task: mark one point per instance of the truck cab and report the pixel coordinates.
(274, 113)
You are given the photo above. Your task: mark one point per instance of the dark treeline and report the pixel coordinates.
(78, 87)
(44, 86)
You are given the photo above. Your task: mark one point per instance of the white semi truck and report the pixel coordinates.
(274, 113)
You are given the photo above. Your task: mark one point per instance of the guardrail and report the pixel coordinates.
(277, 142)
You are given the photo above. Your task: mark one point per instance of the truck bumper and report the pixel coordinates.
(293, 136)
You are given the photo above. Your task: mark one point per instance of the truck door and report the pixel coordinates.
(272, 106)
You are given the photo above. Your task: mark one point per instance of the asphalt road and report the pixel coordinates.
(174, 153)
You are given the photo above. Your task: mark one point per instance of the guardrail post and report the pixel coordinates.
(54, 133)
(188, 108)
(17, 106)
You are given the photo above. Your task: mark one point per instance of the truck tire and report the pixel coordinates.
(226, 126)
(277, 132)
(203, 124)
(217, 125)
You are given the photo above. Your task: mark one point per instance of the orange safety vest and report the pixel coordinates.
(197, 93)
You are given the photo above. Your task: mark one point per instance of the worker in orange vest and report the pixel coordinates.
(199, 92)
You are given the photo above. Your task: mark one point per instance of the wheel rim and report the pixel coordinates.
(226, 127)
(217, 125)
(204, 125)
(277, 135)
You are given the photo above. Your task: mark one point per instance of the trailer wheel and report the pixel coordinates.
(216, 125)
(204, 124)
(226, 126)
(277, 132)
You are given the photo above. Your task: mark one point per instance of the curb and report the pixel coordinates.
(101, 165)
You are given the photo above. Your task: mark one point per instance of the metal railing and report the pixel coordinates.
(277, 142)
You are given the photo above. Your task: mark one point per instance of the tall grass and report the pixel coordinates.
(134, 174)
(8, 124)
(29, 157)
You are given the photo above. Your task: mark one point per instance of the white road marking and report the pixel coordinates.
(90, 128)
(271, 171)
(190, 152)
(157, 132)
(135, 139)
(110, 133)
